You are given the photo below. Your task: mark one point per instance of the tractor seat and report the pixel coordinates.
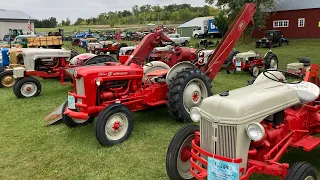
(305, 61)
(307, 91)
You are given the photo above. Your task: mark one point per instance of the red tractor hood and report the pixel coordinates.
(110, 71)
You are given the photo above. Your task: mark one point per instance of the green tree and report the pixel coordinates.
(67, 23)
(235, 6)
(221, 22)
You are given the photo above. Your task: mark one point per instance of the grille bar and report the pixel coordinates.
(218, 139)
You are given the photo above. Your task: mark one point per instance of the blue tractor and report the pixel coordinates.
(4, 59)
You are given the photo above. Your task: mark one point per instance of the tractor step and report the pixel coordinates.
(308, 143)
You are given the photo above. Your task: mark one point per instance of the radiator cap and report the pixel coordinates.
(224, 93)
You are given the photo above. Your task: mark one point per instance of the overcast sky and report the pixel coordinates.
(61, 9)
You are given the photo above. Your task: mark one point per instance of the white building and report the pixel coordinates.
(11, 19)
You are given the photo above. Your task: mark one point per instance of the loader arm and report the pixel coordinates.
(148, 43)
(243, 19)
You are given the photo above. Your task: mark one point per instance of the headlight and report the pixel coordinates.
(255, 131)
(195, 114)
(98, 82)
(75, 73)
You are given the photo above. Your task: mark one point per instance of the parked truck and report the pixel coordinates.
(178, 40)
(207, 29)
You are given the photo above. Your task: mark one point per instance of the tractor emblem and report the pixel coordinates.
(241, 25)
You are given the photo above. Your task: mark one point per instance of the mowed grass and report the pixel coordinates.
(28, 150)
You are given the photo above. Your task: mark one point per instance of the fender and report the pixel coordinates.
(178, 68)
(152, 66)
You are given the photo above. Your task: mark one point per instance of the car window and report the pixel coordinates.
(177, 36)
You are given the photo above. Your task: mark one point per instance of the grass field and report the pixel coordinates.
(28, 150)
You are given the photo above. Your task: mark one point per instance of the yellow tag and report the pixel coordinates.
(319, 24)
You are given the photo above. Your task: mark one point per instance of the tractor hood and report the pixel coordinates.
(249, 103)
(109, 71)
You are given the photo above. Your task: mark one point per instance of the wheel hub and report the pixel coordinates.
(28, 89)
(185, 154)
(116, 126)
(192, 95)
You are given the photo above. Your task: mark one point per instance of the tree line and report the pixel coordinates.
(175, 13)
(46, 23)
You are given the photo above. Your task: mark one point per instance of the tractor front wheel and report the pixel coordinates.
(302, 171)
(254, 70)
(71, 122)
(6, 79)
(27, 87)
(230, 68)
(113, 125)
(179, 153)
(187, 89)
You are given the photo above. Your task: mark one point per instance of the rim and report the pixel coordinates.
(309, 178)
(7, 80)
(255, 71)
(28, 89)
(273, 64)
(194, 92)
(116, 126)
(183, 159)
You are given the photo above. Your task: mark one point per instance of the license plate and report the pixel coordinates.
(238, 68)
(71, 102)
(222, 170)
(238, 63)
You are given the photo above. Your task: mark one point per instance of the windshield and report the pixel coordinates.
(173, 35)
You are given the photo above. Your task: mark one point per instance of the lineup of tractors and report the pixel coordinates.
(240, 132)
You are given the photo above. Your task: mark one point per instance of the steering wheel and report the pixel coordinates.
(273, 77)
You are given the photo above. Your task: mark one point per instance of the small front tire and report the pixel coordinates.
(179, 153)
(254, 70)
(302, 171)
(6, 79)
(27, 87)
(230, 68)
(113, 125)
(70, 122)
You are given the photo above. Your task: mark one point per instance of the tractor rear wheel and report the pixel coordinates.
(179, 153)
(232, 54)
(27, 87)
(187, 89)
(271, 61)
(302, 171)
(6, 79)
(113, 125)
(71, 122)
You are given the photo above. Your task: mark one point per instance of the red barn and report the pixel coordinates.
(296, 19)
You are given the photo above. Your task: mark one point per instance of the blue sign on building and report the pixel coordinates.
(211, 27)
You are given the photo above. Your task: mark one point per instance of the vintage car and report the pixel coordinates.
(271, 38)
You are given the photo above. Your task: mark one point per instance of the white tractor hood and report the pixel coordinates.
(249, 103)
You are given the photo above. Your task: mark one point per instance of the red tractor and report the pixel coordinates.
(111, 92)
(252, 62)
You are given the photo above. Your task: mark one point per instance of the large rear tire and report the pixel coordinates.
(187, 89)
(271, 61)
(179, 153)
(302, 171)
(232, 54)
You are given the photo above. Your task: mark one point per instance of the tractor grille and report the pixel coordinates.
(80, 88)
(218, 139)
